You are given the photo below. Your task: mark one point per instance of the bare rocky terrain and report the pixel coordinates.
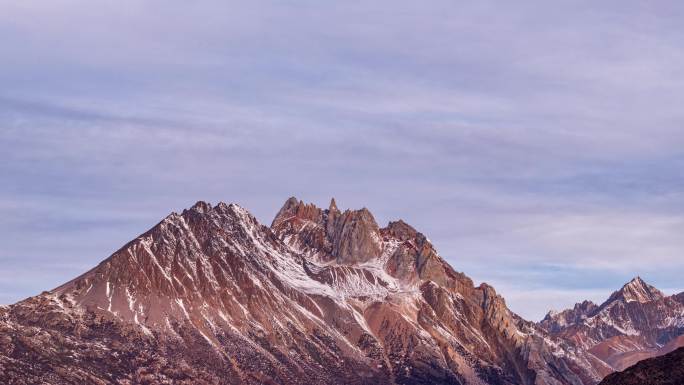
(663, 370)
(636, 322)
(322, 296)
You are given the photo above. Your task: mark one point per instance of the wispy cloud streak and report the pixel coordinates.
(541, 139)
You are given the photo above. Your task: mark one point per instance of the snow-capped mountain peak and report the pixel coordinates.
(635, 322)
(637, 290)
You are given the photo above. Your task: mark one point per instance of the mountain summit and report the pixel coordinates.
(637, 290)
(210, 296)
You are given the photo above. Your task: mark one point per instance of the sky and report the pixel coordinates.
(539, 145)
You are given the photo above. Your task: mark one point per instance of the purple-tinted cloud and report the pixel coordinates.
(541, 141)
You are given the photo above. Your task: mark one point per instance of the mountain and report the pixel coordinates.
(636, 322)
(664, 370)
(322, 296)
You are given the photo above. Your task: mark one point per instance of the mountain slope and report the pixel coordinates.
(664, 370)
(636, 322)
(198, 291)
(210, 296)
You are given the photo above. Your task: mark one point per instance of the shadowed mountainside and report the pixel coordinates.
(663, 370)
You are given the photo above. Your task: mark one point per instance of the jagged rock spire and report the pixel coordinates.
(349, 237)
(333, 205)
(294, 208)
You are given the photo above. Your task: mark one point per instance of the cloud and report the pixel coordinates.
(541, 139)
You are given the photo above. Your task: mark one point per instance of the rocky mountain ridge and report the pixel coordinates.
(636, 322)
(210, 296)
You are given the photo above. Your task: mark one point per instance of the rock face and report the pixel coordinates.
(636, 322)
(347, 238)
(210, 296)
(554, 322)
(664, 370)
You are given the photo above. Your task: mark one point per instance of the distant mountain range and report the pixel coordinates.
(635, 323)
(322, 296)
